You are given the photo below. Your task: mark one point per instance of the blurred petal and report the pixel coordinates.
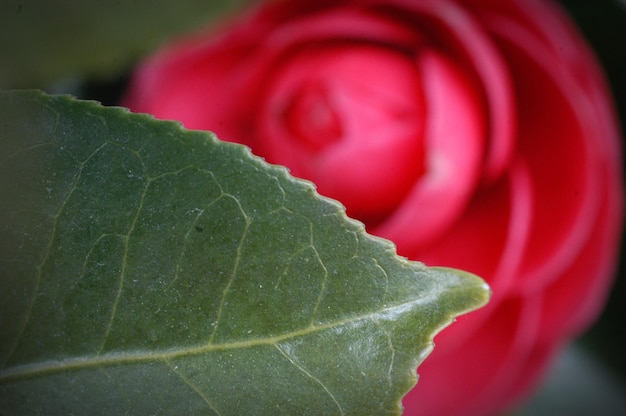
(454, 140)
(348, 117)
(574, 301)
(464, 38)
(555, 140)
(475, 384)
(489, 240)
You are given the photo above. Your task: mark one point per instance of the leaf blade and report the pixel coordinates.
(155, 253)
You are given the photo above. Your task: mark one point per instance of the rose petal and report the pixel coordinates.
(555, 139)
(189, 82)
(339, 24)
(349, 118)
(477, 385)
(497, 222)
(454, 141)
(575, 300)
(456, 29)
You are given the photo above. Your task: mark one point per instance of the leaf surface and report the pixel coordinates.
(147, 269)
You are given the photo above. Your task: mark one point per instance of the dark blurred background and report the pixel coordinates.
(604, 24)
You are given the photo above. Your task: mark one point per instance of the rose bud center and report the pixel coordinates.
(349, 118)
(374, 127)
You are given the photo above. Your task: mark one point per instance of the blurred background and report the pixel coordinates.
(604, 24)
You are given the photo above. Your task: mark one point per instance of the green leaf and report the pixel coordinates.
(146, 269)
(42, 41)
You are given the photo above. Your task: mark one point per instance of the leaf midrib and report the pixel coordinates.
(109, 359)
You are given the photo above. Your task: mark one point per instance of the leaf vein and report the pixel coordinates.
(46, 256)
(324, 284)
(392, 351)
(386, 313)
(233, 274)
(195, 388)
(124, 266)
(199, 212)
(295, 363)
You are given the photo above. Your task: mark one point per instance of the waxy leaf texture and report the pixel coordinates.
(146, 269)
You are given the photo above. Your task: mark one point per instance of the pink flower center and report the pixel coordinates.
(312, 118)
(350, 119)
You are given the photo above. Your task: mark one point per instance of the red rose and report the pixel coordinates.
(473, 133)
